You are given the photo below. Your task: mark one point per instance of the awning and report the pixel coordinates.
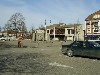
(91, 35)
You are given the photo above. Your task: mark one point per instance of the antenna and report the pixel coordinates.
(45, 24)
(45, 21)
(50, 21)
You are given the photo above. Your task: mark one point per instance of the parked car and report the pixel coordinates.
(3, 38)
(7, 38)
(98, 42)
(82, 48)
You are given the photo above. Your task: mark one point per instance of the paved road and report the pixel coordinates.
(44, 60)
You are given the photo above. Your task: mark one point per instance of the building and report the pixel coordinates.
(74, 32)
(38, 35)
(55, 31)
(92, 26)
(63, 32)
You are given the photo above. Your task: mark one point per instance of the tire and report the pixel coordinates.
(70, 53)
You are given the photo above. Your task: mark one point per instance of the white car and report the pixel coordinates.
(3, 38)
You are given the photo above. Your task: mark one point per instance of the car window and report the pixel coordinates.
(91, 44)
(95, 44)
(79, 44)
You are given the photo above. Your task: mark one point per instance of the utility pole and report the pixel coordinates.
(54, 32)
(45, 31)
(75, 32)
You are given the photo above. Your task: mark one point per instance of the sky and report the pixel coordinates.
(36, 11)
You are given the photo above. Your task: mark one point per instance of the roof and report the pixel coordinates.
(60, 25)
(90, 17)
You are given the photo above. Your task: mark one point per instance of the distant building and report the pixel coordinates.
(74, 32)
(55, 31)
(92, 26)
(61, 32)
(38, 35)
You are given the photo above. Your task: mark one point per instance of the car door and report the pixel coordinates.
(89, 49)
(96, 50)
(77, 47)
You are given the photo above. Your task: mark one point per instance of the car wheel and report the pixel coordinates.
(70, 53)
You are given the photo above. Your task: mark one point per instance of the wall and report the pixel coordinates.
(33, 37)
(79, 34)
(40, 37)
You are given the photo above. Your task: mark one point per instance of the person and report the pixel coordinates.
(20, 41)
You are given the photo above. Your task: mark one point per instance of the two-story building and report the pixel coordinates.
(64, 32)
(74, 32)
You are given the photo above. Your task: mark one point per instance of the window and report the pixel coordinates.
(95, 24)
(96, 29)
(72, 31)
(88, 29)
(47, 31)
(68, 31)
(79, 44)
(96, 16)
(94, 44)
(88, 26)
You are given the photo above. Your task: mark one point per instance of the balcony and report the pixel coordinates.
(95, 30)
(96, 25)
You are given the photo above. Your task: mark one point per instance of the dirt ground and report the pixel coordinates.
(28, 60)
(43, 58)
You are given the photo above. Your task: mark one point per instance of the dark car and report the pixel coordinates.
(98, 42)
(82, 48)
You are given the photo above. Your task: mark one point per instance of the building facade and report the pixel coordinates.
(92, 26)
(38, 35)
(61, 32)
(74, 32)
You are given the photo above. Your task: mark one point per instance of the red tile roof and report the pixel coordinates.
(90, 17)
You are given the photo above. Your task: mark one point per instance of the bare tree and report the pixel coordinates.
(16, 24)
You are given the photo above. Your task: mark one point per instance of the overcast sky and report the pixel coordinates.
(36, 11)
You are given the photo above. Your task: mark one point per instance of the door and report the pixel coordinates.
(89, 49)
(97, 52)
(78, 47)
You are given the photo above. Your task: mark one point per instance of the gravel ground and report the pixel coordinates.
(25, 61)
(43, 58)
